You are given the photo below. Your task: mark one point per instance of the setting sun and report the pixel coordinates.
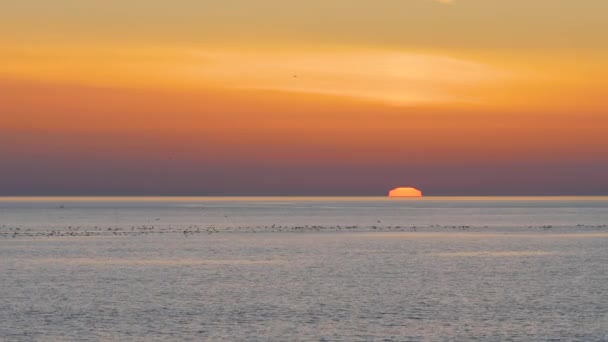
(405, 192)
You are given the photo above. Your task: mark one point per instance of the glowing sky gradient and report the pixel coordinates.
(318, 97)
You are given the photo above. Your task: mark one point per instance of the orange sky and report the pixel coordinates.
(506, 97)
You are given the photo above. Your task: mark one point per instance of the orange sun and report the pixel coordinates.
(405, 192)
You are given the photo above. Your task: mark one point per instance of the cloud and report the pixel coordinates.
(445, 1)
(387, 76)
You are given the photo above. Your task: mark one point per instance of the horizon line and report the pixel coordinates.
(5, 197)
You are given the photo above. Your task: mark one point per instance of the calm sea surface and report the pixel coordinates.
(320, 269)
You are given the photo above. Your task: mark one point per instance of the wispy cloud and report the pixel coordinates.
(445, 1)
(387, 76)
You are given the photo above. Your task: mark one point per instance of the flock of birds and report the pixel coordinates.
(9, 231)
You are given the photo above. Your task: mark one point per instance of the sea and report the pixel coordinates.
(303, 269)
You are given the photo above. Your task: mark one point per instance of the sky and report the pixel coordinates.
(317, 97)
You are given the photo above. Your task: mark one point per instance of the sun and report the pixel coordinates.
(405, 192)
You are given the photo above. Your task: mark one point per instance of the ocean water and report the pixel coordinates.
(304, 269)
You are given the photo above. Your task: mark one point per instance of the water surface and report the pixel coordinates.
(519, 269)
